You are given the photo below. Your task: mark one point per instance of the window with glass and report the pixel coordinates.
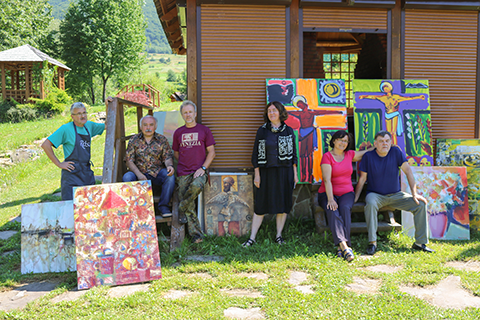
(341, 66)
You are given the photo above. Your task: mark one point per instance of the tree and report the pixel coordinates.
(171, 76)
(104, 39)
(23, 22)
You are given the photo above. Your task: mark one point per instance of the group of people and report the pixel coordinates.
(274, 159)
(148, 157)
(275, 165)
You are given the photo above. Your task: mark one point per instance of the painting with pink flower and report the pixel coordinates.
(445, 189)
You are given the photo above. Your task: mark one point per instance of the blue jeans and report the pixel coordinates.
(167, 183)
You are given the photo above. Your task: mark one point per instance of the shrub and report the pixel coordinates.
(21, 112)
(56, 102)
(171, 76)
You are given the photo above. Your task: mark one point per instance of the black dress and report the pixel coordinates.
(274, 153)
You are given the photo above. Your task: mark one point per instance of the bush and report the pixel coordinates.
(171, 76)
(21, 112)
(55, 102)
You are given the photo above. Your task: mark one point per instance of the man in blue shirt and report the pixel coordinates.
(382, 166)
(76, 139)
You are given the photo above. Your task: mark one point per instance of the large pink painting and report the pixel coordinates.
(115, 234)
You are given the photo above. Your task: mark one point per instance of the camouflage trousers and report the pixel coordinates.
(188, 190)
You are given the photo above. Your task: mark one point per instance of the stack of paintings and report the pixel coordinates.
(445, 189)
(115, 234)
(464, 152)
(401, 107)
(316, 108)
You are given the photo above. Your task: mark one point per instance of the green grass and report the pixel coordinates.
(177, 64)
(305, 251)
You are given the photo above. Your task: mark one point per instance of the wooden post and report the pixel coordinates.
(27, 83)
(110, 126)
(4, 89)
(120, 149)
(396, 50)
(192, 50)
(294, 40)
(139, 117)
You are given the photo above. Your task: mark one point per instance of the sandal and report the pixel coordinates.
(339, 253)
(249, 243)
(348, 254)
(279, 240)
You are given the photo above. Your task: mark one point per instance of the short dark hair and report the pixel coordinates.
(281, 109)
(382, 133)
(339, 135)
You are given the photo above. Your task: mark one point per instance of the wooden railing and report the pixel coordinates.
(115, 147)
(153, 95)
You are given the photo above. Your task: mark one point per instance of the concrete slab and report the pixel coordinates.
(447, 294)
(297, 277)
(305, 289)
(68, 296)
(203, 275)
(464, 265)
(254, 275)
(239, 313)
(20, 296)
(176, 294)
(122, 291)
(17, 219)
(384, 268)
(4, 235)
(359, 285)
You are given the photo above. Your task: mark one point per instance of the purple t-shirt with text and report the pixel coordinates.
(191, 144)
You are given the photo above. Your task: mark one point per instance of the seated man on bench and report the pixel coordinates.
(149, 157)
(382, 166)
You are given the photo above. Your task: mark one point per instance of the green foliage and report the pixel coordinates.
(171, 76)
(162, 60)
(21, 112)
(101, 39)
(55, 102)
(23, 22)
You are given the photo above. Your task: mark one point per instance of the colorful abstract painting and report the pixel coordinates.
(48, 237)
(168, 122)
(445, 189)
(316, 108)
(464, 152)
(115, 234)
(402, 107)
(228, 204)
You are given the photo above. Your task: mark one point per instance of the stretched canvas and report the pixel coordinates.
(316, 108)
(401, 107)
(228, 204)
(115, 234)
(445, 189)
(464, 152)
(168, 122)
(48, 237)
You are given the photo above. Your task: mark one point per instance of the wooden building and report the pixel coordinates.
(233, 45)
(18, 77)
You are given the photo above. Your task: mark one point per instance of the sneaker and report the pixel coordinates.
(371, 249)
(422, 247)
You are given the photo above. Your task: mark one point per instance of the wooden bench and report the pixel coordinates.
(388, 224)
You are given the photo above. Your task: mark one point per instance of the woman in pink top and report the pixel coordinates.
(336, 194)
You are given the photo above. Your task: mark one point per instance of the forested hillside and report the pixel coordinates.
(156, 40)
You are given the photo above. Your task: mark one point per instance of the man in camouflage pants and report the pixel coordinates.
(194, 148)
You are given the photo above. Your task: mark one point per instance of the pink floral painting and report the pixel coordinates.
(445, 189)
(115, 234)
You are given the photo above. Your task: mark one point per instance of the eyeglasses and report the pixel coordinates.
(79, 114)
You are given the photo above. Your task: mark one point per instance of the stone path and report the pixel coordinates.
(4, 235)
(296, 278)
(364, 286)
(239, 313)
(448, 293)
(23, 294)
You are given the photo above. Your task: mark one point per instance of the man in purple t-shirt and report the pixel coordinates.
(382, 166)
(194, 148)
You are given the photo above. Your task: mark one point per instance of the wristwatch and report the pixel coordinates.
(204, 168)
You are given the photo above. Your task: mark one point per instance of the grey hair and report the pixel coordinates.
(148, 116)
(77, 105)
(382, 133)
(188, 103)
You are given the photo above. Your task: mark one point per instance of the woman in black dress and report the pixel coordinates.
(274, 159)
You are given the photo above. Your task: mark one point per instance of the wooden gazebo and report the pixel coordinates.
(17, 66)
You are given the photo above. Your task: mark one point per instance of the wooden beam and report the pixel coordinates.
(27, 83)
(192, 50)
(396, 49)
(110, 126)
(4, 89)
(294, 40)
(170, 15)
